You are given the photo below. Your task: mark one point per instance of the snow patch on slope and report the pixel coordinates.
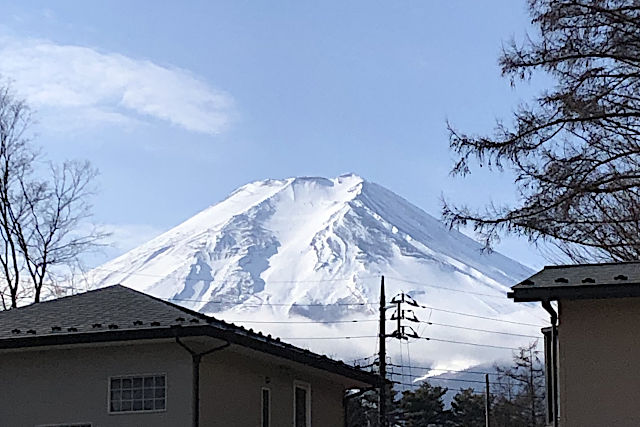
(283, 249)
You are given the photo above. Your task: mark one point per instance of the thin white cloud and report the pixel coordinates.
(111, 88)
(124, 237)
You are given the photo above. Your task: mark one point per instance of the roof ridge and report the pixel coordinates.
(85, 291)
(194, 313)
(594, 264)
(174, 305)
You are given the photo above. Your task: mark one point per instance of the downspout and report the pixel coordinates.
(346, 398)
(196, 359)
(554, 358)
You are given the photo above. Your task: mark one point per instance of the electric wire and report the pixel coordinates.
(467, 343)
(293, 322)
(421, 338)
(301, 322)
(449, 370)
(482, 317)
(479, 330)
(335, 279)
(447, 288)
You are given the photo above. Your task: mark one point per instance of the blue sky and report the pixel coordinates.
(179, 103)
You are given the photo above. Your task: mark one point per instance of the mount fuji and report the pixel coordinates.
(302, 258)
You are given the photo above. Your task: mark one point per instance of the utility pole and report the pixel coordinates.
(402, 333)
(487, 404)
(382, 355)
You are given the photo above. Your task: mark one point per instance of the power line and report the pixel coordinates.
(270, 304)
(422, 338)
(448, 289)
(345, 305)
(448, 390)
(481, 317)
(301, 321)
(467, 343)
(328, 338)
(373, 320)
(447, 370)
(479, 330)
(453, 379)
(353, 304)
(335, 279)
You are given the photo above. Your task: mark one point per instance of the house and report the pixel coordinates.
(118, 357)
(592, 349)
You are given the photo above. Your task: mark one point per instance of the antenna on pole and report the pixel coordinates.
(382, 356)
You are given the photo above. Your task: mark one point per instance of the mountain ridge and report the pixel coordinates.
(350, 225)
(302, 258)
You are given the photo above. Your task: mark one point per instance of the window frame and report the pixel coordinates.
(262, 420)
(141, 411)
(307, 387)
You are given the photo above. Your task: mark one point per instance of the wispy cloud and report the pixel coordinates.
(121, 238)
(110, 87)
(124, 237)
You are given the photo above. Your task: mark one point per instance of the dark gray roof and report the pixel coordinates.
(118, 313)
(607, 280)
(110, 308)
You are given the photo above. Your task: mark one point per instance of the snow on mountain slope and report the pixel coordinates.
(284, 249)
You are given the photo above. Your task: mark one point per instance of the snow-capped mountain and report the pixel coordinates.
(285, 249)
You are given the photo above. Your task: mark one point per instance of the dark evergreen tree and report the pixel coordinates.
(362, 411)
(574, 150)
(424, 407)
(468, 409)
(506, 413)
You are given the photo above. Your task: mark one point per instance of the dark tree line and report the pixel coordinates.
(575, 149)
(516, 400)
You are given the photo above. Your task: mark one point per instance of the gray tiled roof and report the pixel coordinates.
(113, 307)
(585, 275)
(118, 313)
(581, 281)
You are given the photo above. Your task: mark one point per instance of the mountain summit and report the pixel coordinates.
(303, 241)
(302, 258)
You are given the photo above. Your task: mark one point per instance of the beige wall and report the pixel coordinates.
(233, 382)
(599, 362)
(71, 385)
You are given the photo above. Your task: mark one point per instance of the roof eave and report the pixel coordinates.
(279, 349)
(554, 293)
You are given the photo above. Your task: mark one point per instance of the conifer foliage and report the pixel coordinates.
(516, 400)
(575, 149)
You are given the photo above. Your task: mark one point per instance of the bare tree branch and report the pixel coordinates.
(575, 152)
(41, 214)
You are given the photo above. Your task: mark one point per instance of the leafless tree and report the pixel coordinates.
(522, 386)
(575, 150)
(41, 209)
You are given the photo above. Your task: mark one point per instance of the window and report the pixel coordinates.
(266, 407)
(301, 404)
(137, 393)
